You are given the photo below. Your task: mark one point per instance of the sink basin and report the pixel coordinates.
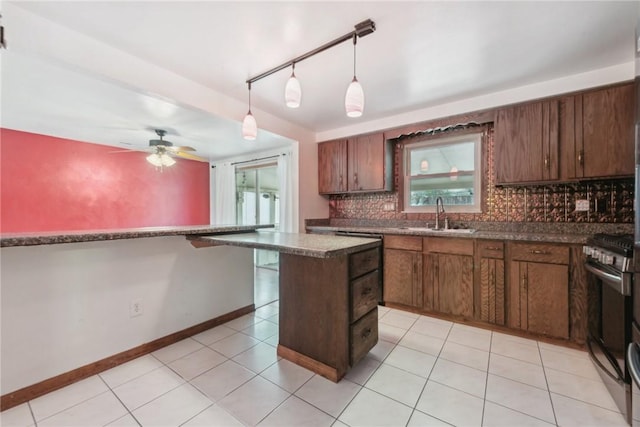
(440, 230)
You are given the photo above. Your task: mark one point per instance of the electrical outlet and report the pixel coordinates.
(135, 308)
(582, 205)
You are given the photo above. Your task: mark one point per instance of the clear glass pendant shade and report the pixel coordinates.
(249, 127)
(354, 99)
(293, 92)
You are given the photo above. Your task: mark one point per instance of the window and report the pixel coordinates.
(447, 167)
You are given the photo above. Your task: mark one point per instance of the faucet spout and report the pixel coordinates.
(439, 210)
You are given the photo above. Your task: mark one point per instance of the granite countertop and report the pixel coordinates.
(570, 238)
(54, 237)
(312, 245)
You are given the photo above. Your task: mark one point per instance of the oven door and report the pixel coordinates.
(633, 363)
(609, 323)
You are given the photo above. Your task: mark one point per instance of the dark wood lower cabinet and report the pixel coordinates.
(328, 310)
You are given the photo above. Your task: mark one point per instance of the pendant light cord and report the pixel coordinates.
(355, 40)
(249, 84)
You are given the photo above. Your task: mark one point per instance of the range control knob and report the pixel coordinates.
(607, 259)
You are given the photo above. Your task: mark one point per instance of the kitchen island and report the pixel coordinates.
(329, 292)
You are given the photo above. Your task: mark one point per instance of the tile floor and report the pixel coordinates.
(423, 372)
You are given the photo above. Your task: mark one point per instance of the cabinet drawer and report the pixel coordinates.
(491, 249)
(364, 262)
(447, 245)
(408, 243)
(364, 335)
(364, 294)
(540, 253)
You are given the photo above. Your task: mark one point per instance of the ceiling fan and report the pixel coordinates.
(163, 151)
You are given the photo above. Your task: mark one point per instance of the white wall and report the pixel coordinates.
(64, 306)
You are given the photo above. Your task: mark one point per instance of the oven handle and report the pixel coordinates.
(633, 358)
(620, 284)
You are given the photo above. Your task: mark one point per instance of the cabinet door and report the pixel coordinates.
(454, 284)
(526, 144)
(332, 167)
(367, 166)
(607, 133)
(402, 277)
(492, 291)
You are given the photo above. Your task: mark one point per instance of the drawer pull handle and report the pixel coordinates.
(366, 291)
(539, 252)
(493, 248)
(581, 157)
(366, 333)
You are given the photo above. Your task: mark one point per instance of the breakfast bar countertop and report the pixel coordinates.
(55, 237)
(311, 245)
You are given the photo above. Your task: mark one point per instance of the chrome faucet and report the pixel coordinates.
(439, 211)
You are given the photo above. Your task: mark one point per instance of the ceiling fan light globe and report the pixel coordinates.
(354, 99)
(249, 127)
(167, 160)
(293, 92)
(155, 160)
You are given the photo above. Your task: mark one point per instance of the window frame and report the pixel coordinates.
(475, 135)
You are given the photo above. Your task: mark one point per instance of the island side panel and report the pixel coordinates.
(314, 313)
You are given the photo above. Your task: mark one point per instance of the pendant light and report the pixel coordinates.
(249, 125)
(292, 91)
(354, 98)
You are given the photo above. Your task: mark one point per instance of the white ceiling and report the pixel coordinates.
(423, 54)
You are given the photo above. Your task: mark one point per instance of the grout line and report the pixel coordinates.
(33, 417)
(121, 402)
(544, 372)
(486, 381)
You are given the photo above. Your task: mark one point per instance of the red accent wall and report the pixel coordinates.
(55, 184)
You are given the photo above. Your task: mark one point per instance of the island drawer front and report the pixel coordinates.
(364, 335)
(491, 249)
(364, 294)
(364, 262)
(534, 252)
(407, 243)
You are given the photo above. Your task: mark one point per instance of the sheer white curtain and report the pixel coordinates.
(288, 187)
(224, 207)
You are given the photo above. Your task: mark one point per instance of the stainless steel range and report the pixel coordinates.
(610, 305)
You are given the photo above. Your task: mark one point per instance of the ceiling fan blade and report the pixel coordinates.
(190, 156)
(175, 149)
(131, 150)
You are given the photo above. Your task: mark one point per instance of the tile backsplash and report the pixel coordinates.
(610, 201)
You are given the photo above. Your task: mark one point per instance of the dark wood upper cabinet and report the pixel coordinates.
(332, 166)
(596, 134)
(358, 164)
(526, 143)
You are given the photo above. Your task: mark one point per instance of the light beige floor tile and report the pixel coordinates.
(580, 388)
(147, 387)
(424, 343)
(460, 377)
(413, 361)
(390, 333)
(562, 349)
(464, 355)
(499, 416)
(266, 311)
(471, 337)
(173, 408)
(59, 400)
(274, 319)
(339, 423)
(296, 412)
(273, 340)
(363, 370)
(461, 327)
(399, 320)
(287, 375)
(372, 409)
(176, 351)
(397, 384)
(570, 412)
(419, 419)
(233, 345)
(196, 363)
(212, 335)
(126, 421)
(98, 410)
(222, 380)
(500, 338)
(130, 370)
(18, 416)
(381, 350)
(450, 405)
(568, 363)
(328, 396)
(254, 400)
(213, 416)
(520, 397)
(243, 322)
(257, 358)
(517, 370)
(516, 350)
(431, 327)
(261, 330)
(404, 313)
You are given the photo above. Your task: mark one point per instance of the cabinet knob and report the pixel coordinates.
(366, 291)
(581, 158)
(539, 252)
(546, 161)
(366, 333)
